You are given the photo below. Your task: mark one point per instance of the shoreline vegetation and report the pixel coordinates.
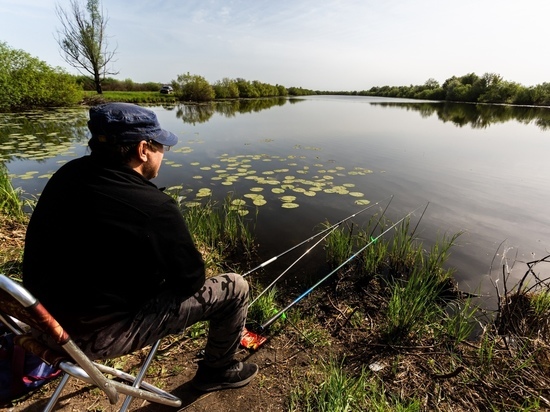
(389, 331)
(29, 83)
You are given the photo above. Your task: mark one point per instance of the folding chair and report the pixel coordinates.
(22, 312)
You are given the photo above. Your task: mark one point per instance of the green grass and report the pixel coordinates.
(412, 306)
(340, 391)
(263, 307)
(307, 329)
(337, 392)
(11, 204)
(221, 233)
(339, 244)
(457, 323)
(540, 304)
(131, 97)
(414, 279)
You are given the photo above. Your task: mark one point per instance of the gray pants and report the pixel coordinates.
(223, 301)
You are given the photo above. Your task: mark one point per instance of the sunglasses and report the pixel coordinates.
(165, 147)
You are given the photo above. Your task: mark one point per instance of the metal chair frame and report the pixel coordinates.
(21, 312)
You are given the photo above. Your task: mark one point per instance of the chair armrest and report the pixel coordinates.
(32, 345)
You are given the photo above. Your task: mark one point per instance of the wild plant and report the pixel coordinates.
(220, 233)
(458, 323)
(412, 306)
(263, 308)
(338, 391)
(11, 204)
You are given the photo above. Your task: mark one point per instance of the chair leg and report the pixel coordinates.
(141, 374)
(53, 399)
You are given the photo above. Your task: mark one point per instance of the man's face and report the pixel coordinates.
(155, 154)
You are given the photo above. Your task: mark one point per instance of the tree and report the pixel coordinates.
(83, 41)
(27, 82)
(247, 89)
(431, 83)
(193, 87)
(226, 89)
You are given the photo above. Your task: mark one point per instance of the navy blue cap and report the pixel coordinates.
(127, 123)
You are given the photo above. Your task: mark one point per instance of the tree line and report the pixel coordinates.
(193, 87)
(83, 43)
(27, 82)
(470, 88)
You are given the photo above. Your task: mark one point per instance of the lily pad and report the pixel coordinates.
(288, 198)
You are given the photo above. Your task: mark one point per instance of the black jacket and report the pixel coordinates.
(102, 241)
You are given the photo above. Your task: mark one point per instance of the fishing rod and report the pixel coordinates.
(332, 229)
(274, 258)
(299, 298)
(419, 220)
(288, 268)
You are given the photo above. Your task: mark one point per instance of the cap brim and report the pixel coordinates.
(166, 138)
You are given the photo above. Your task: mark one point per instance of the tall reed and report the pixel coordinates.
(338, 391)
(220, 232)
(412, 305)
(11, 204)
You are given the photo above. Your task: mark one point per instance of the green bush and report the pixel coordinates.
(27, 82)
(193, 88)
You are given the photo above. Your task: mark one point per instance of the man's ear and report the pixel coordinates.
(142, 150)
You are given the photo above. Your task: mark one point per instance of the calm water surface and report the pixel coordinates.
(485, 175)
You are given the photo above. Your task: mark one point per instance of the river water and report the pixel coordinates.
(480, 170)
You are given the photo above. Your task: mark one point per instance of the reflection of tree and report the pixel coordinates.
(256, 105)
(478, 116)
(195, 113)
(293, 100)
(38, 134)
(201, 113)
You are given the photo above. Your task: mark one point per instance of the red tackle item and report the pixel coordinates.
(251, 340)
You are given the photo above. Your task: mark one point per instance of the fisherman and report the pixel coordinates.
(111, 257)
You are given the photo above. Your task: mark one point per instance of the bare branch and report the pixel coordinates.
(83, 41)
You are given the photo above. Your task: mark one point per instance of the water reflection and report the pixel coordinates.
(477, 116)
(41, 135)
(202, 113)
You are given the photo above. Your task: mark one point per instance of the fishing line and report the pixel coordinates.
(271, 260)
(299, 298)
(287, 269)
(332, 229)
(419, 220)
(379, 220)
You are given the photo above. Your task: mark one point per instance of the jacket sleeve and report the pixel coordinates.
(180, 263)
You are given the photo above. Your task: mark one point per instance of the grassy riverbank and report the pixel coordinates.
(387, 332)
(92, 98)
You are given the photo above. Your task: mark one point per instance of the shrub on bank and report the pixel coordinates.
(27, 82)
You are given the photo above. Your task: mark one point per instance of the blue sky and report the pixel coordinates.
(315, 44)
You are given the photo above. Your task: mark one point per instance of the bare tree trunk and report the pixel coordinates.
(97, 81)
(83, 41)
